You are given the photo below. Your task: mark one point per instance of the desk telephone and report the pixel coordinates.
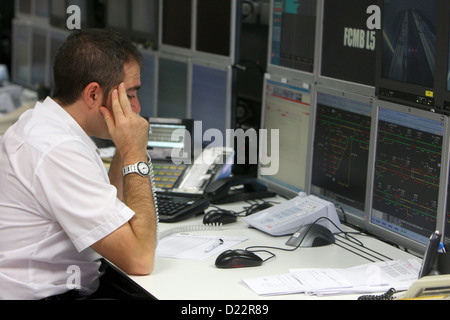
(288, 217)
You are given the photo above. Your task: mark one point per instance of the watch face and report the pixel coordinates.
(143, 168)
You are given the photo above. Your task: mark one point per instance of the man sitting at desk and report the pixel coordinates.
(60, 212)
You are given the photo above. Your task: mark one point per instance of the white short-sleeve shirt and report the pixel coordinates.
(55, 202)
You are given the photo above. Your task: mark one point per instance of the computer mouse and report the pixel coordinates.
(311, 235)
(238, 259)
(219, 217)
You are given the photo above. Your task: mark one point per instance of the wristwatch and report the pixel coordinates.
(141, 168)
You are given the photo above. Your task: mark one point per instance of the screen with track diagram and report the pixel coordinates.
(407, 174)
(341, 151)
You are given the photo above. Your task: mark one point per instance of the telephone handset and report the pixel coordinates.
(236, 189)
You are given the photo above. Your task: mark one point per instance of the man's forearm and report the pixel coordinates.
(115, 174)
(138, 196)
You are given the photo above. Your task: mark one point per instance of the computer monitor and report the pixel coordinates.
(443, 58)
(348, 47)
(211, 97)
(117, 15)
(213, 27)
(406, 52)
(147, 93)
(57, 13)
(24, 7)
(176, 24)
(21, 53)
(287, 108)
(293, 37)
(40, 66)
(169, 137)
(57, 38)
(145, 22)
(172, 86)
(342, 144)
(41, 9)
(407, 174)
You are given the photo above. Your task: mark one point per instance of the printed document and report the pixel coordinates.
(373, 277)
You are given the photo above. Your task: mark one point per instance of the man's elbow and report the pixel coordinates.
(140, 267)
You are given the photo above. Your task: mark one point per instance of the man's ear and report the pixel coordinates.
(93, 95)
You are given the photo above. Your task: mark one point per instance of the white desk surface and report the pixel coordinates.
(175, 279)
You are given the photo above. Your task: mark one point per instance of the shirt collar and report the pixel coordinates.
(55, 108)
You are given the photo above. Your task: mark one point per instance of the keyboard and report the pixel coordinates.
(174, 207)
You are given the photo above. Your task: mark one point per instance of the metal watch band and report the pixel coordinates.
(134, 169)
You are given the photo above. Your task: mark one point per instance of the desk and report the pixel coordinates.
(174, 279)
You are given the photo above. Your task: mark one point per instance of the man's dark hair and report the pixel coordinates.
(91, 55)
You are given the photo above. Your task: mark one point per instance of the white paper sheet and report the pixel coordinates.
(374, 277)
(193, 247)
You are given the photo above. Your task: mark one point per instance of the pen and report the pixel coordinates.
(214, 245)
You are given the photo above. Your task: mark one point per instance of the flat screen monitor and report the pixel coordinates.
(144, 22)
(117, 15)
(294, 34)
(406, 52)
(287, 110)
(24, 7)
(147, 93)
(57, 13)
(443, 58)
(348, 46)
(172, 88)
(407, 182)
(21, 57)
(342, 142)
(41, 8)
(210, 97)
(169, 137)
(213, 31)
(40, 66)
(57, 38)
(176, 23)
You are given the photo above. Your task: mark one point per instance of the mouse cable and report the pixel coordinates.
(221, 210)
(255, 204)
(347, 236)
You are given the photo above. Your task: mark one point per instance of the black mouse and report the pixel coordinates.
(219, 217)
(238, 259)
(311, 235)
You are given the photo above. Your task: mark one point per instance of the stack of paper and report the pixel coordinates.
(374, 277)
